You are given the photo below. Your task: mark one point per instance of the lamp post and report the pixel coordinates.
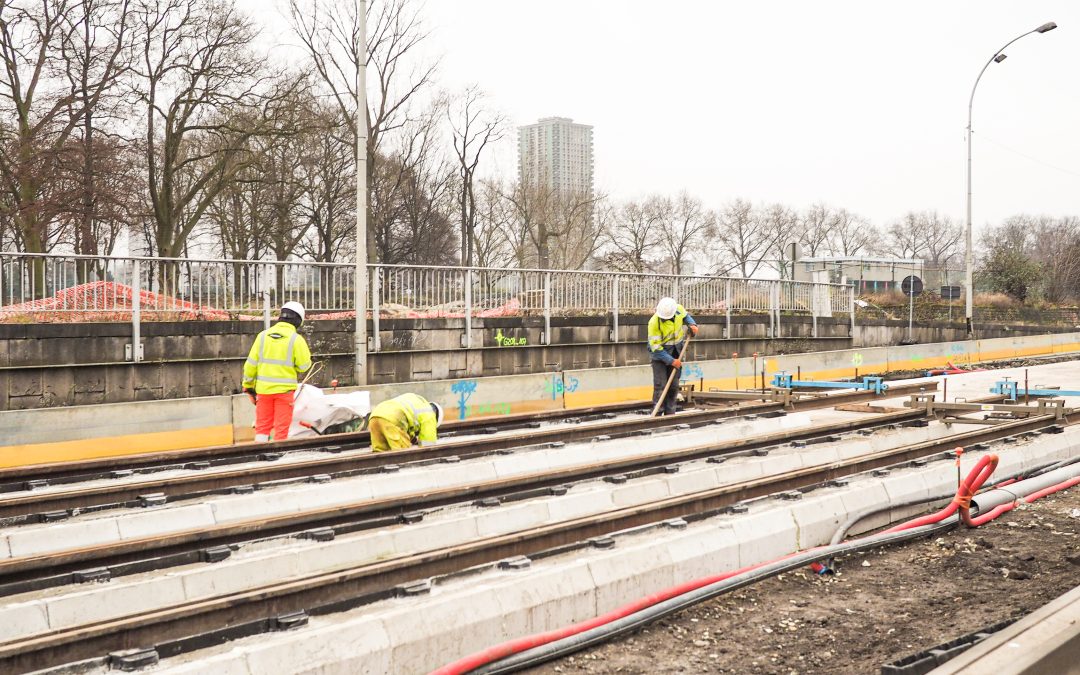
(969, 255)
(361, 277)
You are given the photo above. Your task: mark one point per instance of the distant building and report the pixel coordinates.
(868, 274)
(558, 154)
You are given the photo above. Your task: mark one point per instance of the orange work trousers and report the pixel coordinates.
(273, 412)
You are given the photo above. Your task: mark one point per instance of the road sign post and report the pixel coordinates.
(911, 286)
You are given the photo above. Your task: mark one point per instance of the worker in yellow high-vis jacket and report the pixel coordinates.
(666, 336)
(398, 423)
(278, 355)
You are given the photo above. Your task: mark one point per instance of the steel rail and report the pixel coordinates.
(64, 502)
(64, 646)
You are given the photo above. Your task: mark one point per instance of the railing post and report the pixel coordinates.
(136, 312)
(468, 309)
(615, 308)
(547, 308)
(375, 279)
(727, 309)
(266, 285)
(851, 305)
(776, 308)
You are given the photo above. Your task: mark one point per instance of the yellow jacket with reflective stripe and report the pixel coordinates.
(275, 359)
(667, 333)
(412, 413)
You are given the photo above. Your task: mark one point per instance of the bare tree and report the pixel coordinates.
(234, 213)
(684, 224)
(473, 128)
(743, 240)
(815, 229)
(413, 195)
(927, 235)
(494, 237)
(329, 187)
(635, 235)
(40, 42)
(97, 51)
(941, 236)
(559, 225)
(780, 226)
(328, 31)
(904, 239)
(206, 96)
(851, 234)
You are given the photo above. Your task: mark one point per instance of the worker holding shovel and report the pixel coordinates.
(667, 339)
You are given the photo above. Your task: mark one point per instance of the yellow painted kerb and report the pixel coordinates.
(113, 446)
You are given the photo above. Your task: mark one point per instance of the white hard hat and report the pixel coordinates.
(438, 413)
(665, 309)
(295, 306)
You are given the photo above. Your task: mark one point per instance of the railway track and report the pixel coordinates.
(197, 545)
(35, 505)
(31, 476)
(279, 605)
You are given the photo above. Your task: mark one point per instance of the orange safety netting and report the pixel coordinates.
(111, 301)
(106, 301)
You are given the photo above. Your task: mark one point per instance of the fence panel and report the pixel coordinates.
(48, 287)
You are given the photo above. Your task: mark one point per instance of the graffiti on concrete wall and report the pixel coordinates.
(555, 386)
(691, 371)
(464, 389)
(489, 409)
(509, 341)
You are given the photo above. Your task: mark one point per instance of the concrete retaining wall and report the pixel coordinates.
(49, 435)
(52, 365)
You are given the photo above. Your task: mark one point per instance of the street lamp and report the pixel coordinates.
(360, 276)
(969, 256)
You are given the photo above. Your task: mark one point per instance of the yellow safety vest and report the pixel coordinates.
(275, 359)
(410, 412)
(664, 333)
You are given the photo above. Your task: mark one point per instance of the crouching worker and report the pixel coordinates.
(400, 422)
(277, 357)
(666, 337)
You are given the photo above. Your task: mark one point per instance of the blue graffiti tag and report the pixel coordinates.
(464, 389)
(691, 371)
(556, 387)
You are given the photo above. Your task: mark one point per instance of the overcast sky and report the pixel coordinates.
(858, 104)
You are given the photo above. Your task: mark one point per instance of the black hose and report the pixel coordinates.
(632, 622)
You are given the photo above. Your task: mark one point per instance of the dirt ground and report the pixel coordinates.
(881, 606)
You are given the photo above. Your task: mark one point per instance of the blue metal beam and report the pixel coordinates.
(1012, 390)
(874, 384)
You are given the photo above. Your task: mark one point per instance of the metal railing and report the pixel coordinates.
(55, 287)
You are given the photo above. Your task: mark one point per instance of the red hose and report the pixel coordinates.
(968, 487)
(492, 654)
(1052, 489)
(962, 501)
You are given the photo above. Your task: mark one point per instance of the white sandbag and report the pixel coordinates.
(314, 410)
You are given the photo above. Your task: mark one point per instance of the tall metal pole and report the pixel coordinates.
(360, 345)
(969, 255)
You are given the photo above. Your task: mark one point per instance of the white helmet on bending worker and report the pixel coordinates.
(668, 329)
